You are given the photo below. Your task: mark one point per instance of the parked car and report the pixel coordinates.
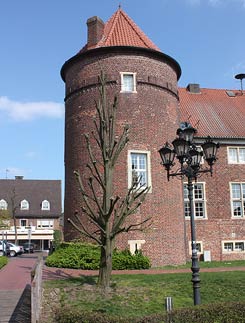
(4, 248)
(28, 247)
(15, 250)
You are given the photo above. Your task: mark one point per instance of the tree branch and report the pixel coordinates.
(84, 232)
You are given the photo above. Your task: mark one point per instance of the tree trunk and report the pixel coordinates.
(105, 265)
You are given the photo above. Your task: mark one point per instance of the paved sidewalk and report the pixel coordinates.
(15, 290)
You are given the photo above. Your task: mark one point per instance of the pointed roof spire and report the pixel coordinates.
(120, 30)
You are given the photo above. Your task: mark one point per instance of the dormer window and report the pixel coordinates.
(45, 205)
(128, 82)
(3, 205)
(24, 205)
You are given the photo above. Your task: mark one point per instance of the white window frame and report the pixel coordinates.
(240, 200)
(199, 250)
(45, 224)
(237, 160)
(123, 88)
(148, 167)
(24, 205)
(234, 248)
(196, 200)
(45, 206)
(135, 245)
(3, 205)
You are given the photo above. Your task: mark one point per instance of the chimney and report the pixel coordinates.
(193, 88)
(95, 30)
(19, 177)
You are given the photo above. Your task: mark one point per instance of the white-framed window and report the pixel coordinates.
(237, 199)
(233, 246)
(135, 245)
(23, 222)
(198, 199)
(3, 204)
(128, 82)
(45, 206)
(24, 205)
(45, 223)
(236, 155)
(199, 247)
(139, 166)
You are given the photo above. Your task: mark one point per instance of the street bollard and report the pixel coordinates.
(169, 308)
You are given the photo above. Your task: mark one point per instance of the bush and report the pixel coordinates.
(87, 256)
(212, 313)
(75, 255)
(125, 260)
(57, 239)
(215, 313)
(3, 261)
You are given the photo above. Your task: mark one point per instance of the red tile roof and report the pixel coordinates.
(120, 30)
(213, 112)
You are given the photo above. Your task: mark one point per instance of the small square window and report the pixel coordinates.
(228, 246)
(128, 82)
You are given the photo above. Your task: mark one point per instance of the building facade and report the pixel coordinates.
(145, 81)
(36, 206)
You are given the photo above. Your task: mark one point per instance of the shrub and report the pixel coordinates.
(68, 315)
(87, 256)
(75, 255)
(57, 238)
(3, 261)
(214, 313)
(125, 260)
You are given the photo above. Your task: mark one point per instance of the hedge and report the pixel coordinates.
(87, 256)
(214, 313)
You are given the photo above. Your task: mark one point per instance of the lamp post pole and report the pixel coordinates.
(189, 156)
(194, 264)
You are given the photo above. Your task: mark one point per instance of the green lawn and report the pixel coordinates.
(143, 294)
(3, 261)
(212, 264)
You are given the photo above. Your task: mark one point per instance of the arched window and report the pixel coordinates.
(3, 205)
(45, 205)
(24, 205)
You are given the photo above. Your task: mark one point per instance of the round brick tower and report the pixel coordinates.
(145, 82)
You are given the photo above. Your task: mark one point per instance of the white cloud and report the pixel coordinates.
(27, 111)
(31, 154)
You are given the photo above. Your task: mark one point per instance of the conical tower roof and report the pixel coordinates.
(121, 30)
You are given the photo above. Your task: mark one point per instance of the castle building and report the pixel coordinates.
(145, 80)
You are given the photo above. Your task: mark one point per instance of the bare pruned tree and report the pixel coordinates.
(109, 214)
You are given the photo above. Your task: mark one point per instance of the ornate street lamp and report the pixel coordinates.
(190, 157)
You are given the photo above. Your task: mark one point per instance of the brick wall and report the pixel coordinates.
(219, 225)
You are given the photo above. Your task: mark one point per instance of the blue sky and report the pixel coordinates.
(206, 37)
